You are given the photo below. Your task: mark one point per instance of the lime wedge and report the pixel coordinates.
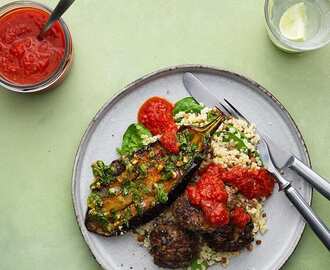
(292, 22)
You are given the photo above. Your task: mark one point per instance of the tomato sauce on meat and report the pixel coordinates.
(252, 183)
(209, 193)
(239, 217)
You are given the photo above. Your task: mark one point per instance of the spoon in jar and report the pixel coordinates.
(61, 7)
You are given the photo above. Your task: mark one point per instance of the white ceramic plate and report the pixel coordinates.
(105, 132)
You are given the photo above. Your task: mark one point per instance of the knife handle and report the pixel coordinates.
(320, 184)
(319, 228)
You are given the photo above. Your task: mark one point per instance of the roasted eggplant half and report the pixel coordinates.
(137, 187)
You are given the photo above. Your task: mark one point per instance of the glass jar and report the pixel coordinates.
(58, 75)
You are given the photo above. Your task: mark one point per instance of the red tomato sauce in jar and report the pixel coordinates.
(156, 115)
(24, 59)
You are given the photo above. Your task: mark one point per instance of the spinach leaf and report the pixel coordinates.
(188, 105)
(133, 139)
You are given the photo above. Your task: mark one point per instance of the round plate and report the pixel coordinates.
(104, 135)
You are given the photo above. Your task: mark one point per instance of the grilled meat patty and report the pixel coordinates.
(230, 238)
(172, 246)
(225, 238)
(190, 217)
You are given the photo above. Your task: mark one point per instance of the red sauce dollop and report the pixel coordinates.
(169, 141)
(252, 183)
(24, 59)
(156, 115)
(239, 217)
(210, 195)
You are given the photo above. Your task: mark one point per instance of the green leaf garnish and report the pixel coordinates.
(133, 139)
(188, 105)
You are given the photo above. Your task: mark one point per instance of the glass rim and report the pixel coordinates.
(66, 60)
(280, 39)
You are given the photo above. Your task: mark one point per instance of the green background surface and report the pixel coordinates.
(115, 43)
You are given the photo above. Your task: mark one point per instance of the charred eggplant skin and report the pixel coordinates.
(136, 188)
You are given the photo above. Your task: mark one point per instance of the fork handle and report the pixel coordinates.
(316, 224)
(320, 184)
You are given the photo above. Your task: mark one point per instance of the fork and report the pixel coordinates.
(316, 224)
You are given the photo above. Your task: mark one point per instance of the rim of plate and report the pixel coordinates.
(154, 75)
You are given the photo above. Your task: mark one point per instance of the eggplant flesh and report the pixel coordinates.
(136, 188)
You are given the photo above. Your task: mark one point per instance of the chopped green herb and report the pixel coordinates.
(143, 169)
(98, 168)
(114, 191)
(94, 201)
(127, 216)
(161, 194)
(198, 264)
(193, 147)
(139, 209)
(184, 138)
(145, 190)
(173, 158)
(99, 217)
(168, 170)
(115, 215)
(136, 190)
(234, 135)
(127, 186)
(102, 172)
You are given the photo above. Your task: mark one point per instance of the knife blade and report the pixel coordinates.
(199, 91)
(282, 158)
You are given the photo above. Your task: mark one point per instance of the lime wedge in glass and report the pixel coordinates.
(293, 21)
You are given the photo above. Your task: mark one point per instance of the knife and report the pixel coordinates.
(283, 158)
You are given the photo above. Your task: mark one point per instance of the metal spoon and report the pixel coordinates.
(61, 7)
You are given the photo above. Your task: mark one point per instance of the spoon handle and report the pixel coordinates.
(61, 7)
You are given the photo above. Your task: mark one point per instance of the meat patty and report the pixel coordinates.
(172, 246)
(230, 238)
(190, 217)
(224, 238)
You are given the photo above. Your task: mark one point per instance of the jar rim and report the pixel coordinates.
(66, 60)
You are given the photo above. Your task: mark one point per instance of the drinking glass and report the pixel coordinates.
(317, 26)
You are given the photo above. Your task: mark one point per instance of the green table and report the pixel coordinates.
(116, 42)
